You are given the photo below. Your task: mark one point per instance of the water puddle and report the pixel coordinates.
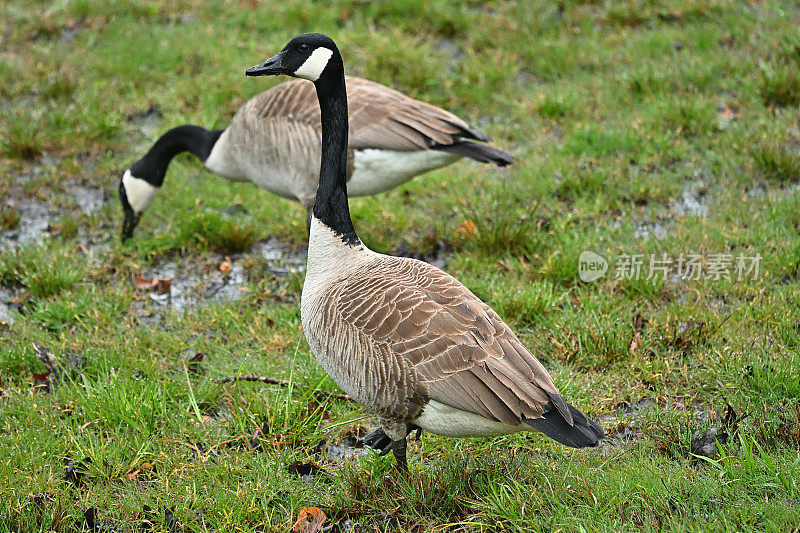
(436, 256)
(34, 219)
(692, 202)
(622, 425)
(282, 258)
(8, 304)
(89, 199)
(346, 449)
(656, 229)
(185, 284)
(147, 120)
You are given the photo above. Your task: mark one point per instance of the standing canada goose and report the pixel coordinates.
(274, 142)
(401, 337)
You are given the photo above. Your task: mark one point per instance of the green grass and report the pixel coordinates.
(44, 271)
(611, 110)
(778, 158)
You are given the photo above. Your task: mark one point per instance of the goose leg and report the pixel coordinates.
(399, 450)
(380, 441)
(309, 211)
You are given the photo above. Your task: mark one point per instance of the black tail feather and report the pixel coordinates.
(584, 432)
(477, 151)
(469, 133)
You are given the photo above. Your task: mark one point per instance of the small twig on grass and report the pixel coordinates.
(282, 383)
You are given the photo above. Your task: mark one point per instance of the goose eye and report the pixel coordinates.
(303, 47)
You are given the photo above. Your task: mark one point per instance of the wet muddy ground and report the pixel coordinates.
(181, 284)
(36, 216)
(693, 202)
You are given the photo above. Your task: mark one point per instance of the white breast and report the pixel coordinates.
(377, 170)
(219, 160)
(329, 261)
(442, 419)
(257, 160)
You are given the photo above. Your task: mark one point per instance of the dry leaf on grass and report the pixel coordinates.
(638, 326)
(157, 285)
(726, 115)
(309, 520)
(467, 229)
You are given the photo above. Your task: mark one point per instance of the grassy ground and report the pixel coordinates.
(639, 128)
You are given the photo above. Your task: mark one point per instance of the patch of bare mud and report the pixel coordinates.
(282, 258)
(183, 284)
(34, 219)
(8, 304)
(693, 202)
(89, 199)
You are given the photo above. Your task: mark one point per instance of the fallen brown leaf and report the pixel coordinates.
(726, 115)
(42, 381)
(638, 325)
(157, 285)
(467, 229)
(309, 520)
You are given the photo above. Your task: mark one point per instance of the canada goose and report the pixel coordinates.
(401, 337)
(273, 141)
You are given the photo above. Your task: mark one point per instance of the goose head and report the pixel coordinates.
(305, 56)
(135, 195)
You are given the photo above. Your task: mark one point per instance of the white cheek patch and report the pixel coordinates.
(139, 192)
(315, 64)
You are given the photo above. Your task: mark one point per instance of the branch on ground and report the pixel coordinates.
(282, 383)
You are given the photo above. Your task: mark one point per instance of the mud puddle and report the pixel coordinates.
(34, 219)
(184, 284)
(436, 256)
(281, 258)
(693, 202)
(35, 216)
(8, 304)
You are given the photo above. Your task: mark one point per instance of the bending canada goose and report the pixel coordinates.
(403, 338)
(274, 142)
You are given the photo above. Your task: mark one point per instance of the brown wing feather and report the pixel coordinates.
(459, 348)
(380, 117)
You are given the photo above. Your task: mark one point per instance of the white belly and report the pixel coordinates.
(442, 419)
(377, 170)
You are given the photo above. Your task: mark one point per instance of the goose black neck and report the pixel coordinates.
(330, 206)
(153, 166)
